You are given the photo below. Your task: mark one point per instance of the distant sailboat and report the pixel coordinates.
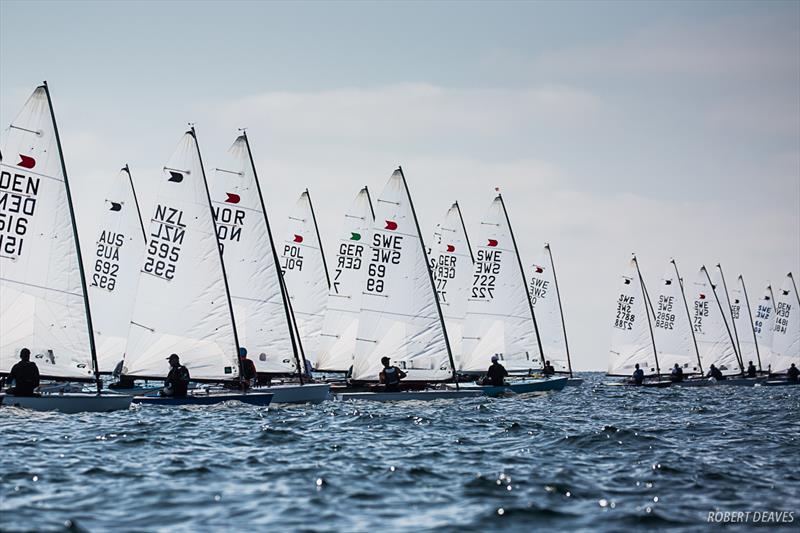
(340, 327)
(715, 340)
(744, 324)
(306, 275)
(727, 307)
(786, 330)
(763, 322)
(44, 304)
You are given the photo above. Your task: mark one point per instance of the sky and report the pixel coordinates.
(668, 129)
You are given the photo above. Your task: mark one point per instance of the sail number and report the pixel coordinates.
(444, 269)
(164, 245)
(700, 312)
(665, 318)
(106, 264)
(484, 279)
(782, 311)
(18, 195)
(625, 315)
(349, 258)
(292, 258)
(538, 289)
(386, 250)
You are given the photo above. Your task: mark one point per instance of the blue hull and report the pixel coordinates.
(539, 385)
(261, 399)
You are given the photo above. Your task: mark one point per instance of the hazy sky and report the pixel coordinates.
(668, 129)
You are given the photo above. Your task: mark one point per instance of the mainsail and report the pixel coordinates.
(672, 327)
(306, 275)
(43, 303)
(113, 269)
(452, 266)
(262, 318)
(715, 341)
(721, 287)
(743, 322)
(763, 322)
(182, 303)
(631, 335)
(546, 302)
(786, 331)
(400, 316)
(500, 318)
(344, 299)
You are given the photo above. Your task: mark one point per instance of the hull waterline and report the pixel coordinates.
(423, 395)
(69, 403)
(288, 394)
(251, 398)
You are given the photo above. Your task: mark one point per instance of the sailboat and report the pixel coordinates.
(340, 327)
(763, 322)
(745, 325)
(183, 303)
(306, 276)
(114, 269)
(786, 330)
(44, 305)
(260, 307)
(400, 315)
(546, 302)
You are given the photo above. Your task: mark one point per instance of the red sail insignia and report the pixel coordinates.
(391, 225)
(232, 198)
(492, 242)
(26, 161)
(298, 238)
(451, 248)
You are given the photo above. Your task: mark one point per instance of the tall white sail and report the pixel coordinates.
(543, 288)
(344, 299)
(631, 340)
(786, 331)
(743, 322)
(672, 327)
(452, 266)
(182, 304)
(262, 320)
(714, 337)
(112, 269)
(499, 315)
(763, 322)
(306, 275)
(400, 316)
(42, 299)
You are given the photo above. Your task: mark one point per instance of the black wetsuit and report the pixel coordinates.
(677, 375)
(496, 375)
(638, 376)
(793, 373)
(549, 370)
(751, 371)
(178, 381)
(248, 369)
(715, 373)
(25, 376)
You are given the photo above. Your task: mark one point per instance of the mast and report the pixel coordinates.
(430, 277)
(649, 322)
(560, 309)
(464, 229)
(135, 200)
(724, 320)
(284, 298)
(219, 251)
(319, 240)
(524, 279)
(86, 306)
(369, 201)
(296, 332)
(795, 287)
(691, 324)
(750, 316)
(733, 322)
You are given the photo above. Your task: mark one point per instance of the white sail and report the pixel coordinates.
(499, 318)
(42, 299)
(743, 322)
(306, 275)
(112, 270)
(262, 322)
(672, 326)
(763, 322)
(631, 341)
(714, 337)
(182, 303)
(452, 267)
(399, 318)
(543, 289)
(344, 299)
(786, 331)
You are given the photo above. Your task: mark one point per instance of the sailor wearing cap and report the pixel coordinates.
(496, 374)
(177, 382)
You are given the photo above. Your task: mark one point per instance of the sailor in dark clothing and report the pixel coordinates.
(123, 381)
(248, 367)
(25, 376)
(751, 370)
(496, 374)
(390, 376)
(177, 382)
(638, 375)
(548, 369)
(714, 372)
(793, 373)
(676, 376)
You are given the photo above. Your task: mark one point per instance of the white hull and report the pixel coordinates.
(70, 402)
(295, 393)
(408, 395)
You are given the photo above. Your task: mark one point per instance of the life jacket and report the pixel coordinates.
(391, 375)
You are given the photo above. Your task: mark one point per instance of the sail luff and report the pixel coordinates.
(752, 323)
(319, 239)
(560, 308)
(464, 229)
(649, 321)
(127, 170)
(733, 322)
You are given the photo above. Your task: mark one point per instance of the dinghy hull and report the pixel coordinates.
(251, 398)
(69, 403)
(422, 395)
(310, 393)
(525, 386)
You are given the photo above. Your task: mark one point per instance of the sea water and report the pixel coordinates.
(590, 458)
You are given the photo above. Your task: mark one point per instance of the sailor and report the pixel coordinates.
(638, 375)
(676, 376)
(177, 382)
(751, 370)
(496, 374)
(793, 373)
(714, 372)
(123, 381)
(248, 367)
(548, 369)
(25, 376)
(390, 376)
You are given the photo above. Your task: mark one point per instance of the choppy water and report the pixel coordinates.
(591, 458)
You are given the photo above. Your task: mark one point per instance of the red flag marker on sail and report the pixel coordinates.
(492, 242)
(116, 206)
(26, 161)
(232, 198)
(391, 225)
(702, 296)
(298, 238)
(538, 269)
(451, 248)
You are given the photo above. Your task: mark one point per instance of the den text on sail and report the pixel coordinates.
(18, 196)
